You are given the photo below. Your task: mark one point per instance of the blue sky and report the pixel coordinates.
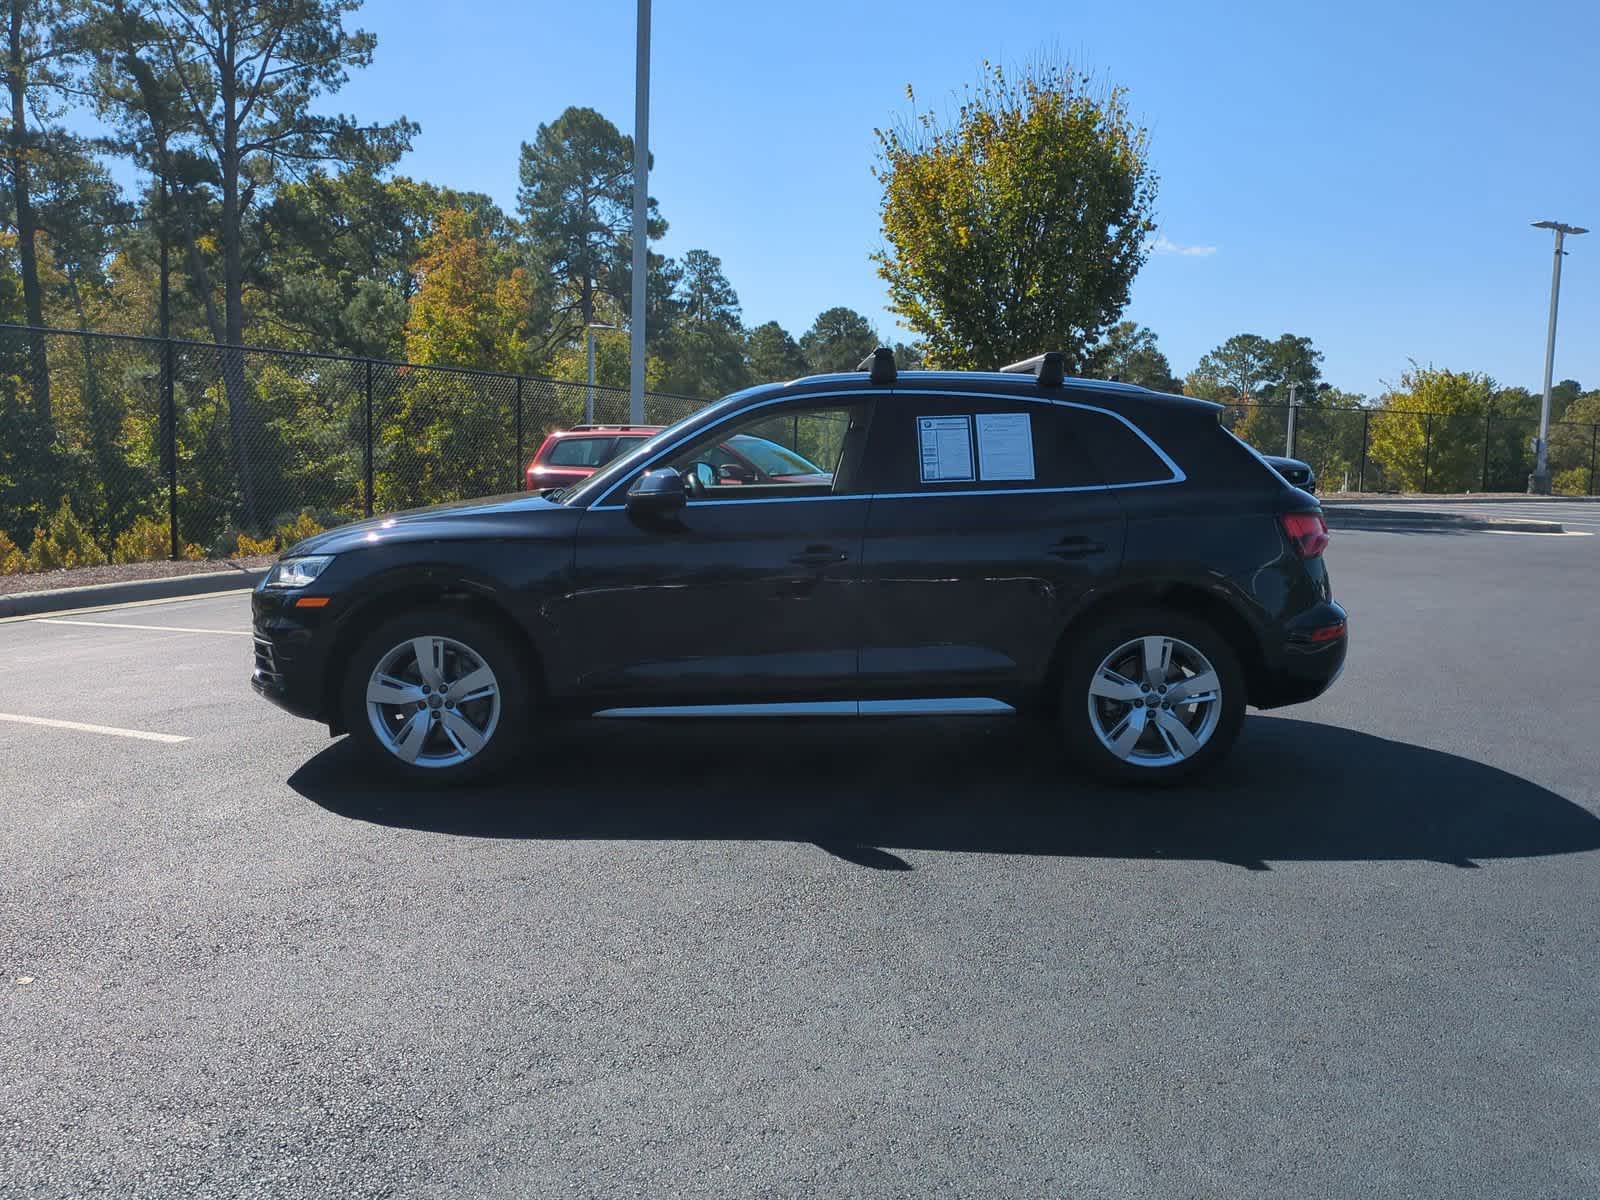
(1364, 174)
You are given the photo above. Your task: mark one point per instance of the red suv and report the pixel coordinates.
(570, 455)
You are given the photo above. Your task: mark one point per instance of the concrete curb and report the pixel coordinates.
(1341, 516)
(172, 587)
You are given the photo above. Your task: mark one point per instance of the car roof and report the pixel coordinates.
(991, 383)
(611, 430)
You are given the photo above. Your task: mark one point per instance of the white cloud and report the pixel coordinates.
(1165, 245)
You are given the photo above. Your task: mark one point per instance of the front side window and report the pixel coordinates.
(798, 451)
(623, 466)
(772, 459)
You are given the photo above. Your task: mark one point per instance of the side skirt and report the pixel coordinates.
(950, 706)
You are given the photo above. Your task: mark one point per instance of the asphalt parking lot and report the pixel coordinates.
(878, 958)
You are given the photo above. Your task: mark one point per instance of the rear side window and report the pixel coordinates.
(956, 443)
(581, 452)
(1121, 454)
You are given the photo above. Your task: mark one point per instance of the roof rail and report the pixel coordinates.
(1049, 368)
(881, 365)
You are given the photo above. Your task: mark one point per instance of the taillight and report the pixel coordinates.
(1307, 532)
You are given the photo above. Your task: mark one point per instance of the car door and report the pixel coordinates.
(748, 593)
(989, 521)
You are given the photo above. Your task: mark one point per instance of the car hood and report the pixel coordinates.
(513, 515)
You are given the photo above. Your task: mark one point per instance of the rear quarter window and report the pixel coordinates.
(1122, 455)
(1208, 455)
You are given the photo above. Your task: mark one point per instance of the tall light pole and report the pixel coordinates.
(1539, 481)
(641, 213)
(588, 396)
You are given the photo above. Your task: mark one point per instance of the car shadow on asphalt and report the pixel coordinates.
(1292, 790)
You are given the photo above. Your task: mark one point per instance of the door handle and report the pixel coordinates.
(1077, 547)
(819, 556)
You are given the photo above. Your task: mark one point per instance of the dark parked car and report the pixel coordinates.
(971, 542)
(1296, 472)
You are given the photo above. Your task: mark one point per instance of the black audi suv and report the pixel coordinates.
(972, 542)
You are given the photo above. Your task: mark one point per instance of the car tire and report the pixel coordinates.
(1135, 661)
(461, 718)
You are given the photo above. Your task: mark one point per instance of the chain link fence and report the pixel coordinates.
(1389, 450)
(131, 448)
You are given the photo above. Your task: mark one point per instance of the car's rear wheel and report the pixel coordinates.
(1151, 697)
(437, 696)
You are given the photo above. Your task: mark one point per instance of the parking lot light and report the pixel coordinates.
(641, 210)
(1539, 481)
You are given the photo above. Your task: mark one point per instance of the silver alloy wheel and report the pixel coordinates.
(433, 702)
(1155, 701)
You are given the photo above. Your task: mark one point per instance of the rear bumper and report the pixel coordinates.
(1308, 659)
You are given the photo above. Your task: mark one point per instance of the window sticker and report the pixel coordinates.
(946, 445)
(1005, 445)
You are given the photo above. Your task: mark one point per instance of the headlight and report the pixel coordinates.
(297, 572)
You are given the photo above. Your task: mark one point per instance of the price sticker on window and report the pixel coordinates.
(946, 449)
(1005, 446)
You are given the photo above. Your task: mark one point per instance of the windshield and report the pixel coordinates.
(619, 468)
(771, 458)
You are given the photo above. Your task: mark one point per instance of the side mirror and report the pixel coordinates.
(735, 473)
(658, 493)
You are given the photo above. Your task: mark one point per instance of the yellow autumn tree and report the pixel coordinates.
(475, 303)
(445, 435)
(1428, 434)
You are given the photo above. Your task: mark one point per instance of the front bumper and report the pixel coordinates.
(290, 655)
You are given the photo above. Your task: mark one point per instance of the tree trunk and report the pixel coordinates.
(105, 427)
(27, 228)
(233, 375)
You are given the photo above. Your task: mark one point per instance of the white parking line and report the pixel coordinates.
(157, 628)
(143, 735)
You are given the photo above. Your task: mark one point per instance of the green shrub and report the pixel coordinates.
(246, 546)
(11, 560)
(298, 530)
(63, 541)
(149, 540)
(1574, 481)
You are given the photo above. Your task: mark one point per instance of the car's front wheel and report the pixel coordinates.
(1151, 697)
(437, 696)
